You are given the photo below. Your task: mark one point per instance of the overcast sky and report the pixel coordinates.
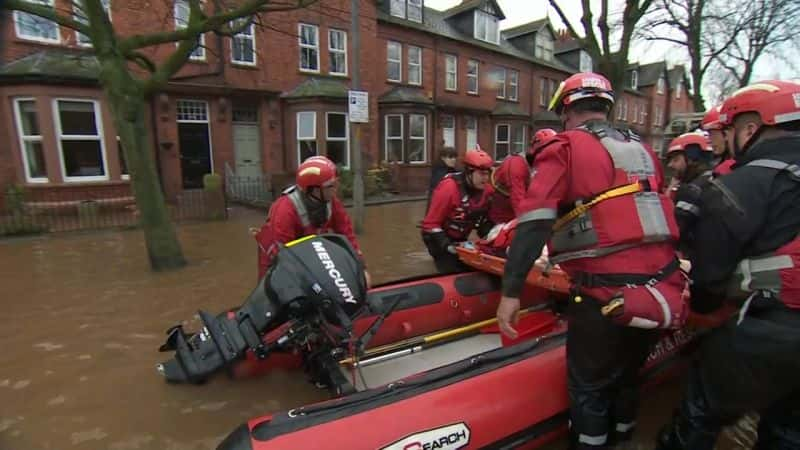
(522, 11)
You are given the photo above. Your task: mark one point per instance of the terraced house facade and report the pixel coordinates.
(259, 103)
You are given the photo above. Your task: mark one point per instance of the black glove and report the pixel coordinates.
(436, 242)
(704, 301)
(484, 227)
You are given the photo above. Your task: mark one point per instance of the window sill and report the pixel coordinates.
(25, 40)
(308, 72)
(64, 184)
(244, 66)
(397, 82)
(342, 76)
(408, 164)
(473, 94)
(452, 91)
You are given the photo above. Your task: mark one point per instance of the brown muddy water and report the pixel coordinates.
(82, 317)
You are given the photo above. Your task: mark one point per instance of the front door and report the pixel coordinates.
(195, 151)
(247, 149)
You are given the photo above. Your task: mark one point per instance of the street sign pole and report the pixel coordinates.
(355, 128)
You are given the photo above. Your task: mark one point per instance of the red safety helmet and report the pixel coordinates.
(711, 119)
(582, 86)
(543, 135)
(478, 160)
(316, 171)
(774, 101)
(680, 143)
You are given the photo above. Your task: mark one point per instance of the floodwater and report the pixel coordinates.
(82, 317)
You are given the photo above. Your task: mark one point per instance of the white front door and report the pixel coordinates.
(247, 149)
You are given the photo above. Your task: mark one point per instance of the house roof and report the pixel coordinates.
(650, 73)
(566, 45)
(676, 74)
(467, 5)
(404, 94)
(509, 109)
(435, 22)
(546, 116)
(53, 65)
(526, 28)
(318, 87)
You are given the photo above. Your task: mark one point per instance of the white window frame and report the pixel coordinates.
(98, 120)
(18, 15)
(333, 51)
(473, 63)
(23, 138)
(387, 138)
(658, 116)
(403, 8)
(513, 85)
(634, 112)
(80, 38)
(345, 139)
(414, 5)
(398, 61)
(501, 82)
(450, 62)
(660, 85)
(678, 90)
(301, 46)
(484, 33)
(496, 141)
(393, 11)
(543, 84)
(585, 62)
(634, 79)
(543, 46)
(245, 37)
(642, 114)
(517, 147)
(448, 131)
(624, 110)
(199, 53)
(474, 131)
(414, 67)
(305, 138)
(423, 138)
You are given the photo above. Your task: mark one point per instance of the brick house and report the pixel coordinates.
(260, 102)
(651, 95)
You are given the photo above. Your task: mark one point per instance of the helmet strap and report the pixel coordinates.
(739, 150)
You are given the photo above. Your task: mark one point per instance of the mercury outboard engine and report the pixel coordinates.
(316, 284)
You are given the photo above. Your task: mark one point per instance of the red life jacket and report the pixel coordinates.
(467, 215)
(270, 247)
(502, 209)
(775, 274)
(630, 213)
(295, 196)
(500, 178)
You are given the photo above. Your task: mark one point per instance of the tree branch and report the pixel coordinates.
(211, 23)
(48, 13)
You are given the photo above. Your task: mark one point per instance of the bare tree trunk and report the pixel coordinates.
(127, 102)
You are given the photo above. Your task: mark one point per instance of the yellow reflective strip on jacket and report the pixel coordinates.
(496, 186)
(612, 193)
(299, 240)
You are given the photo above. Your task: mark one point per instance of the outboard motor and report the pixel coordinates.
(316, 284)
